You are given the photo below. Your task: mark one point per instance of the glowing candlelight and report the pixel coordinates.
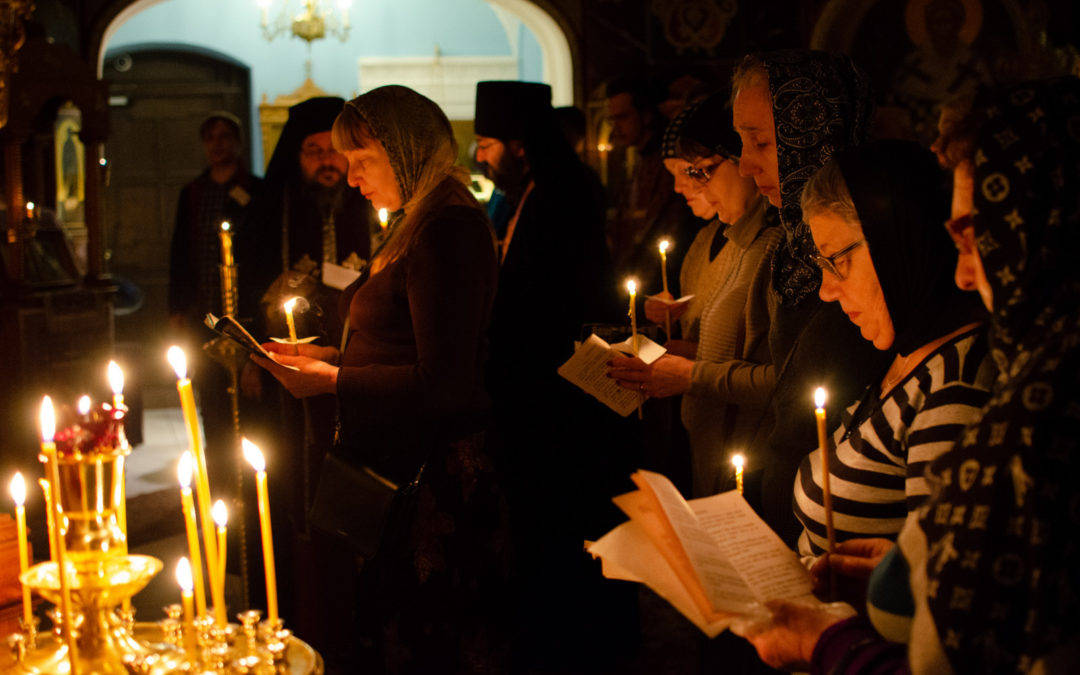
(739, 461)
(83, 406)
(184, 471)
(116, 383)
(178, 361)
(48, 455)
(664, 246)
(384, 218)
(221, 519)
(183, 578)
(255, 457)
(226, 244)
(29, 210)
(826, 492)
(631, 288)
(18, 495)
(290, 304)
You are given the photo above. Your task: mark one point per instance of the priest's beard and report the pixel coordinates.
(511, 175)
(326, 199)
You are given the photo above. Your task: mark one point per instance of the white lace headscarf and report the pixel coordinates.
(420, 143)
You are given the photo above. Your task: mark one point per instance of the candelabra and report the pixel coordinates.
(91, 579)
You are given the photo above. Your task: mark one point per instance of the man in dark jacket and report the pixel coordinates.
(554, 277)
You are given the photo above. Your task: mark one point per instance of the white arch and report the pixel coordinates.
(558, 62)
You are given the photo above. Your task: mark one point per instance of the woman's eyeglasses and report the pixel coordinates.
(830, 263)
(703, 174)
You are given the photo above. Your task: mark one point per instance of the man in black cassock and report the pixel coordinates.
(308, 217)
(559, 450)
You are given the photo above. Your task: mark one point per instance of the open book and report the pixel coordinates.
(230, 328)
(671, 303)
(588, 368)
(712, 558)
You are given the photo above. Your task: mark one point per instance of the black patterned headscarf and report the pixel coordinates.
(821, 103)
(669, 142)
(1003, 568)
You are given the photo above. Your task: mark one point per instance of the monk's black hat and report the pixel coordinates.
(505, 108)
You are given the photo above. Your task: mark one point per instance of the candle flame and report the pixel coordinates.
(384, 217)
(116, 378)
(185, 469)
(739, 461)
(220, 514)
(253, 455)
(290, 304)
(178, 360)
(183, 575)
(631, 286)
(84, 404)
(48, 420)
(819, 397)
(18, 489)
(30, 206)
(664, 245)
(225, 226)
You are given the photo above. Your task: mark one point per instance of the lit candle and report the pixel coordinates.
(603, 149)
(202, 482)
(221, 519)
(18, 494)
(46, 491)
(183, 578)
(48, 456)
(664, 246)
(384, 218)
(631, 288)
(83, 406)
(184, 470)
(739, 461)
(290, 304)
(255, 457)
(226, 244)
(826, 492)
(29, 210)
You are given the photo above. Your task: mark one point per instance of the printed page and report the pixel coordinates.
(648, 351)
(337, 276)
(627, 553)
(770, 569)
(722, 585)
(588, 368)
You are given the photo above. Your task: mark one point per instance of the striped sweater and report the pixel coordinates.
(876, 470)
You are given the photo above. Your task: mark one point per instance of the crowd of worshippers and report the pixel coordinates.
(935, 293)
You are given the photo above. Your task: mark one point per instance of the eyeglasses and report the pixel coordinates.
(704, 174)
(829, 263)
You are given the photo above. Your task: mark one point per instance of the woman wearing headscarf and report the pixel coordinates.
(991, 558)
(412, 404)
(793, 111)
(875, 213)
(724, 373)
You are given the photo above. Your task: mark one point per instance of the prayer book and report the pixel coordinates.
(588, 368)
(672, 303)
(712, 558)
(230, 328)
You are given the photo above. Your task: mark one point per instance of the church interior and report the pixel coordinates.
(107, 112)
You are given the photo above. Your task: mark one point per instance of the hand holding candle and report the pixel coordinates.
(18, 495)
(255, 457)
(184, 472)
(739, 462)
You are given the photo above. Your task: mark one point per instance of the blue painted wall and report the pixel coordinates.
(379, 28)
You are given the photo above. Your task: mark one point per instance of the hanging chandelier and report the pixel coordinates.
(312, 23)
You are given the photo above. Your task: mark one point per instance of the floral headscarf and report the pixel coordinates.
(821, 103)
(1003, 568)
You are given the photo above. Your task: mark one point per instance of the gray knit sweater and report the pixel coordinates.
(733, 374)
